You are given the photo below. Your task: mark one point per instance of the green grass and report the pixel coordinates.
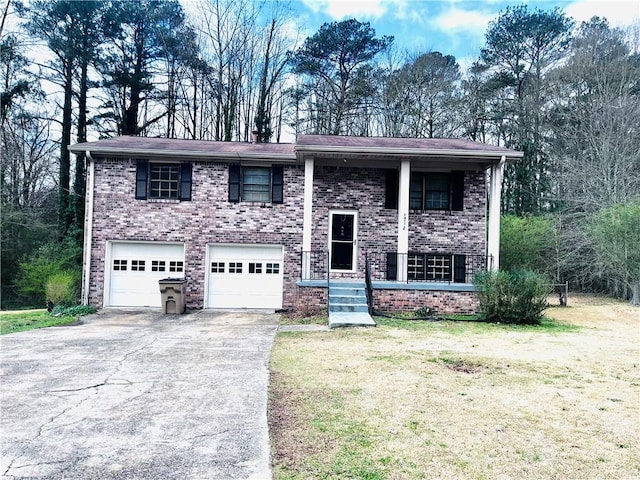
(472, 324)
(20, 322)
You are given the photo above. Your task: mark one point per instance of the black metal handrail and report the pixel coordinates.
(367, 282)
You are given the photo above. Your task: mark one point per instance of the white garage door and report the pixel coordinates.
(245, 276)
(136, 267)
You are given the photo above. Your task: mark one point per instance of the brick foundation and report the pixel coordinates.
(440, 301)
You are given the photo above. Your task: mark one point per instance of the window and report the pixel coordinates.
(235, 267)
(429, 191)
(171, 181)
(176, 266)
(255, 267)
(256, 184)
(158, 265)
(163, 180)
(137, 265)
(436, 191)
(217, 267)
(119, 265)
(429, 267)
(273, 268)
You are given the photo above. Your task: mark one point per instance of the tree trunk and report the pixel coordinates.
(65, 213)
(635, 293)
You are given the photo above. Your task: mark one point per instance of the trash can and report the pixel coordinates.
(172, 291)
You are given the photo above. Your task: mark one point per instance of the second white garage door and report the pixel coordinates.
(245, 276)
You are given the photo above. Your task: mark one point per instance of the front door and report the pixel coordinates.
(343, 240)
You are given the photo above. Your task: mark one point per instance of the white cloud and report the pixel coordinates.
(457, 19)
(341, 9)
(619, 12)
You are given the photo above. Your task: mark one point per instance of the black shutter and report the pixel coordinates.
(391, 189)
(392, 265)
(142, 175)
(234, 183)
(459, 269)
(277, 183)
(185, 181)
(457, 191)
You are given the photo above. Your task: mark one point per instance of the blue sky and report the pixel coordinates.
(452, 27)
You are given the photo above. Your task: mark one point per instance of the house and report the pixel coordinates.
(261, 225)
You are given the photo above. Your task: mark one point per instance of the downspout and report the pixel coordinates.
(88, 228)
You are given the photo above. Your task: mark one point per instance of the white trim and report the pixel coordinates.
(88, 231)
(493, 237)
(307, 218)
(403, 219)
(410, 151)
(354, 253)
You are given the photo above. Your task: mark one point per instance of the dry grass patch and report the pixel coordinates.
(458, 400)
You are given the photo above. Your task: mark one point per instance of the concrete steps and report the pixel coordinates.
(348, 305)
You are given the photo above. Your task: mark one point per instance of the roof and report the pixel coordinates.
(398, 145)
(327, 146)
(204, 149)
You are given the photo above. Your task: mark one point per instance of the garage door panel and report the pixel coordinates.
(136, 268)
(247, 276)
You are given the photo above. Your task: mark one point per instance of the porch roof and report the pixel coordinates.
(386, 148)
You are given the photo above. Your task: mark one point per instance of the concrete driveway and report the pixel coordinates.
(138, 395)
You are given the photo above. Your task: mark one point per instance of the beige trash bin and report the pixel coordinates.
(172, 291)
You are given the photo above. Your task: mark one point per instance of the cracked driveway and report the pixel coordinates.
(138, 395)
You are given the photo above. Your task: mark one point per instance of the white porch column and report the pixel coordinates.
(495, 192)
(307, 218)
(403, 219)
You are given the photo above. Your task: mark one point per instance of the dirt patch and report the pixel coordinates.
(455, 400)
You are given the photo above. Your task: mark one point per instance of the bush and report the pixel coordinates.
(526, 243)
(512, 297)
(51, 259)
(61, 288)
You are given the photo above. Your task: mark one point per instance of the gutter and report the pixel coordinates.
(285, 157)
(88, 229)
(408, 151)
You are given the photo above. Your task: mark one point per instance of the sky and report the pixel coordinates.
(451, 27)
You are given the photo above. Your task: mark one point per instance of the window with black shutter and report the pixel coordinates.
(163, 180)
(392, 179)
(436, 191)
(256, 184)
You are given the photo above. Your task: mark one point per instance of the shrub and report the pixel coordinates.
(61, 288)
(526, 243)
(49, 260)
(512, 297)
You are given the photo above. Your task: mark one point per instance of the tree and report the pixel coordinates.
(521, 46)
(337, 63)
(615, 232)
(140, 35)
(423, 94)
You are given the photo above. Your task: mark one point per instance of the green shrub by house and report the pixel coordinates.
(60, 288)
(519, 296)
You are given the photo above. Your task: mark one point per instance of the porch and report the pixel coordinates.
(396, 270)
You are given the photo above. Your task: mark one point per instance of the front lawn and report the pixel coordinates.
(21, 321)
(409, 400)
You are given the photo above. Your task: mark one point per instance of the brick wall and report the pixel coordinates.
(440, 301)
(207, 218)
